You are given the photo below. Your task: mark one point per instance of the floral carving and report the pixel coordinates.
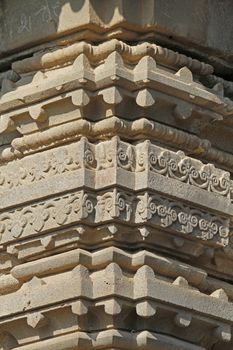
(50, 164)
(185, 169)
(152, 160)
(188, 221)
(113, 205)
(188, 172)
(125, 157)
(167, 164)
(115, 153)
(55, 212)
(146, 207)
(105, 156)
(208, 228)
(168, 214)
(89, 159)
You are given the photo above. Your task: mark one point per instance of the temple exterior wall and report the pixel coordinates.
(116, 181)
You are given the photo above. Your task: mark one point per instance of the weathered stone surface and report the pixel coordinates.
(96, 53)
(113, 296)
(120, 339)
(116, 175)
(170, 21)
(51, 102)
(130, 165)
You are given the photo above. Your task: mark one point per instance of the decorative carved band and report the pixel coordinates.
(144, 156)
(140, 129)
(112, 206)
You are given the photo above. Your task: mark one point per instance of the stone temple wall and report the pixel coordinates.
(115, 174)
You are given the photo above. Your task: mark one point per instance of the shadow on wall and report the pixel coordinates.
(127, 9)
(27, 20)
(106, 9)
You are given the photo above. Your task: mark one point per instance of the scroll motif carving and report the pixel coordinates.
(184, 169)
(110, 206)
(53, 213)
(114, 205)
(143, 157)
(169, 214)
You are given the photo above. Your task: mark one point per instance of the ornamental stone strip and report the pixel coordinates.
(114, 205)
(144, 156)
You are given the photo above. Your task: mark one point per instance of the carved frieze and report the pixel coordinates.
(141, 129)
(110, 206)
(116, 211)
(140, 157)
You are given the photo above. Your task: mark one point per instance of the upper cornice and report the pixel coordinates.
(25, 25)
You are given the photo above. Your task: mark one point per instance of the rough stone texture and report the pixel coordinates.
(168, 20)
(116, 175)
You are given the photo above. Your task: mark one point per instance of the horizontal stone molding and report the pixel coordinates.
(216, 262)
(142, 157)
(94, 261)
(116, 312)
(164, 266)
(97, 53)
(113, 126)
(110, 284)
(113, 205)
(106, 103)
(143, 78)
(117, 234)
(110, 338)
(140, 129)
